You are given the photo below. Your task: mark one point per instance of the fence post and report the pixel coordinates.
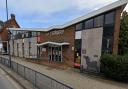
(24, 73)
(17, 67)
(35, 79)
(51, 83)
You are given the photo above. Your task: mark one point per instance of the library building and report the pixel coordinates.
(78, 43)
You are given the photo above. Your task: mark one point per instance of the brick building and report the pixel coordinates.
(11, 23)
(81, 42)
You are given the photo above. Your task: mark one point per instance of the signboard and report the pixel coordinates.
(58, 32)
(44, 49)
(78, 34)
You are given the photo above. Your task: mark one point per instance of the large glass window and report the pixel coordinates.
(98, 21)
(77, 52)
(89, 24)
(79, 26)
(107, 44)
(109, 18)
(108, 31)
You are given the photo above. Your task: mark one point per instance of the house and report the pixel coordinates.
(11, 23)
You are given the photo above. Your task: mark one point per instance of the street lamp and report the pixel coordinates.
(8, 34)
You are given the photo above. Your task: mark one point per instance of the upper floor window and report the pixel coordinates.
(34, 34)
(38, 33)
(109, 18)
(98, 21)
(79, 26)
(89, 24)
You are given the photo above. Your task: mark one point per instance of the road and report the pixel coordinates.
(6, 82)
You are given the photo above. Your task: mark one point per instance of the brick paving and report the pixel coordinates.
(73, 78)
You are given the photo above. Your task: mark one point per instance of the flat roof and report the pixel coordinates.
(53, 43)
(77, 20)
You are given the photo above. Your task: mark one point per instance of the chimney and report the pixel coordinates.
(12, 16)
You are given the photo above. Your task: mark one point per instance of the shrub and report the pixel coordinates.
(115, 66)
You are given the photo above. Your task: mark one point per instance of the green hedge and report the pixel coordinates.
(115, 66)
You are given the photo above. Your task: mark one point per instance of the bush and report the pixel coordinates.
(115, 66)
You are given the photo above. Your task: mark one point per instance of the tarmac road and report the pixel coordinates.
(6, 82)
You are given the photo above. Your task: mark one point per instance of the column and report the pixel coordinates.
(51, 53)
(61, 54)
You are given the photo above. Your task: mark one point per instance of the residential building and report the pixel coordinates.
(11, 23)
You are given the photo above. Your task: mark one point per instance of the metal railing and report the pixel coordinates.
(39, 80)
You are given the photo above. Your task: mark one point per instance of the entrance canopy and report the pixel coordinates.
(53, 43)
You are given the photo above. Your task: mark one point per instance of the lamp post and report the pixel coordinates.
(8, 34)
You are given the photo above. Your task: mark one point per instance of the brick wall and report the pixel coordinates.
(67, 36)
(117, 30)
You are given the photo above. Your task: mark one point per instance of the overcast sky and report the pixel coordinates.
(45, 13)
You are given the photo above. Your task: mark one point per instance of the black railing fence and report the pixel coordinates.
(39, 80)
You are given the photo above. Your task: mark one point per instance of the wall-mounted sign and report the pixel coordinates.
(78, 34)
(44, 49)
(23, 40)
(72, 48)
(83, 51)
(58, 32)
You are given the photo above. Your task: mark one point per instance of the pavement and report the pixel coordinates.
(15, 79)
(73, 77)
(6, 82)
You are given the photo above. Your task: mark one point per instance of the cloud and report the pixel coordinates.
(50, 12)
(52, 6)
(126, 8)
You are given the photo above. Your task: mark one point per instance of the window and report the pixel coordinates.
(107, 44)
(34, 34)
(98, 21)
(109, 18)
(78, 51)
(108, 31)
(26, 35)
(89, 24)
(38, 33)
(29, 34)
(79, 26)
(22, 35)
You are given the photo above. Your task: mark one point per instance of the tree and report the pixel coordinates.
(123, 41)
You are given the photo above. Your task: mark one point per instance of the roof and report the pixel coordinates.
(29, 29)
(87, 16)
(53, 43)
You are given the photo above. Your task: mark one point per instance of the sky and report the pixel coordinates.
(46, 13)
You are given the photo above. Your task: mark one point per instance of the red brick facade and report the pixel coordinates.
(11, 23)
(117, 29)
(68, 36)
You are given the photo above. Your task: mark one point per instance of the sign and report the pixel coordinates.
(72, 48)
(58, 32)
(44, 49)
(78, 34)
(23, 40)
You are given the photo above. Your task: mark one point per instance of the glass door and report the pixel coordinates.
(54, 54)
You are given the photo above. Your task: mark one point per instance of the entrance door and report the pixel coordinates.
(54, 54)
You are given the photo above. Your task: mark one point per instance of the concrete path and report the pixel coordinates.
(74, 78)
(6, 82)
